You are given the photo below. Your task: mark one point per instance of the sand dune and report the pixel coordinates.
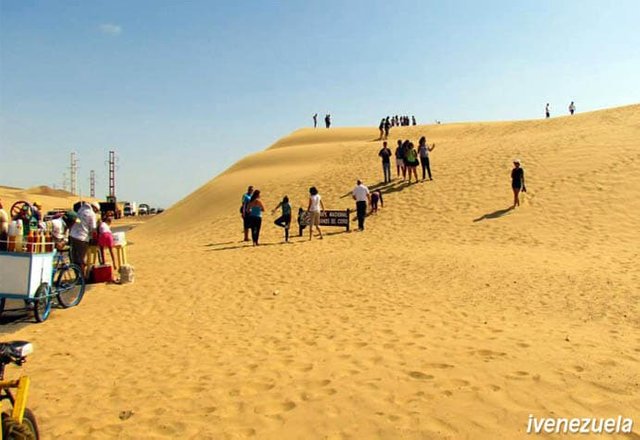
(450, 317)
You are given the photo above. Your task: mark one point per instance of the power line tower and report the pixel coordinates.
(112, 174)
(92, 183)
(74, 174)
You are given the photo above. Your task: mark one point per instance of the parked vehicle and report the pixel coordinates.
(152, 211)
(143, 209)
(130, 209)
(107, 206)
(50, 215)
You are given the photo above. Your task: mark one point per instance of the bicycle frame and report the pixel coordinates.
(19, 402)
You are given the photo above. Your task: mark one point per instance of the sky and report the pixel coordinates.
(182, 90)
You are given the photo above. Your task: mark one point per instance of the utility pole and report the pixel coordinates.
(92, 183)
(112, 174)
(74, 174)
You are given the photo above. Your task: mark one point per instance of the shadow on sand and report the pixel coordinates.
(495, 214)
(385, 188)
(293, 240)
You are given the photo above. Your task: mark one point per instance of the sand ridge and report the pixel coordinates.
(449, 317)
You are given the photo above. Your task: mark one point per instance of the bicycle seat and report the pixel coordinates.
(15, 351)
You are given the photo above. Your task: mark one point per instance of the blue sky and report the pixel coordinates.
(182, 90)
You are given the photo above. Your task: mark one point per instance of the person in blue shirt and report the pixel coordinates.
(284, 221)
(255, 208)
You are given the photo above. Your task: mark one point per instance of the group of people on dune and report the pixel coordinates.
(252, 210)
(394, 121)
(407, 159)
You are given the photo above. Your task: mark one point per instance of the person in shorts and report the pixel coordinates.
(315, 207)
(105, 238)
(399, 153)
(517, 182)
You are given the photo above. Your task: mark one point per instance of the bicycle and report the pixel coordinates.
(67, 281)
(19, 423)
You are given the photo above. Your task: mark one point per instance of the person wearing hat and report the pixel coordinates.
(82, 232)
(60, 225)
(517, 182)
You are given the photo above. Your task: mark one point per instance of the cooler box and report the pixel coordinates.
(102, 274)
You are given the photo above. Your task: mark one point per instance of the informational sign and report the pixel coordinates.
(332, 218)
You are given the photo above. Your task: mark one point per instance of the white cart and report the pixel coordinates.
(27, 276)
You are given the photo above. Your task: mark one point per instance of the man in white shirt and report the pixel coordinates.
(362, 196)
(82, 232)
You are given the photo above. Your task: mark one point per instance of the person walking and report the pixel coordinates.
(387, 127)
(327, 120)
(314, 208)
(381, 128)
(572, 108)
(399, 153)
(547, 112)
(413, 120)
(361, 195)
(411, 161)
(246, 198)
(423, 152)
(517, 182)
(255, 209)
(284, 221)
(315, 120)
(385, 154)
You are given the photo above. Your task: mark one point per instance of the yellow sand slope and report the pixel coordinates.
(448, 318)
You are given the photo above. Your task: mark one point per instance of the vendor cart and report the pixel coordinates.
(27, 276)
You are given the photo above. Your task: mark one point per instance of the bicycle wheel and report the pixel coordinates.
(69, 286)
(12, 430)
(42, 303)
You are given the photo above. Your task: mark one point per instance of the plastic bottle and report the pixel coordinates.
(11, 240)
(19, 236)
(30, 242)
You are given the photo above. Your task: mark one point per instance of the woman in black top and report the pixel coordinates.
(517, 182)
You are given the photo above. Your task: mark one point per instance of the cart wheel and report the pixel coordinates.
(42, 303)
(69, 285)
(17, 207)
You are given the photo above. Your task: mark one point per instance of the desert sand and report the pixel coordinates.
(449, 317)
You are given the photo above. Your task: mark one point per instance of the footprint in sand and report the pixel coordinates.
(440, 366)
(275, 408)
(420, 375)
